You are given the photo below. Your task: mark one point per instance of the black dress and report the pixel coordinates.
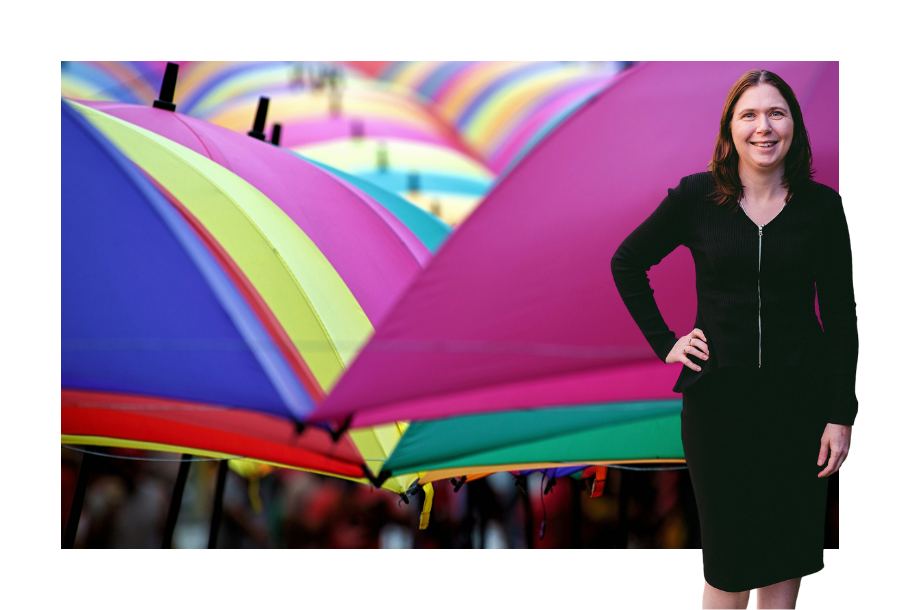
(754, 415)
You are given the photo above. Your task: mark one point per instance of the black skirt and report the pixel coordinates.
(751, 441)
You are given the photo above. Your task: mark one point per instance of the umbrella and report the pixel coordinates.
(533, 318)
(162, 337)
(350, 224)
(308, 297)
(147, 307)
(499, 107)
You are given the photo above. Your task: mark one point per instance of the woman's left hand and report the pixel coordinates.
(837, 438)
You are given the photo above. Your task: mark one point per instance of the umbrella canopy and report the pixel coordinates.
(644, 431)
(342, 219)
(308, 297)
(148, 307)
(533, 318)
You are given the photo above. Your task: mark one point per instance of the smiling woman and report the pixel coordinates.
(759, 125)
(768, 393)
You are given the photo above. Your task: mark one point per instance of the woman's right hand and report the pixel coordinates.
(694, 343)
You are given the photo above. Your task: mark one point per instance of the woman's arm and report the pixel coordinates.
(663, 231)
(837, 307)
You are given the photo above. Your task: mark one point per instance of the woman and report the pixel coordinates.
(768, 396)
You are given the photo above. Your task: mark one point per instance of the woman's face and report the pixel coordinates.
(762, 128)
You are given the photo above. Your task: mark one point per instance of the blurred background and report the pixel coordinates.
(127, 502)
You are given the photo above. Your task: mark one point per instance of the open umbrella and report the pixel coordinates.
(159, 326)
(533, 318)
(376, 254)
(308, 297)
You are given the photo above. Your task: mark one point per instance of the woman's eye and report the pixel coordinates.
(778, 112)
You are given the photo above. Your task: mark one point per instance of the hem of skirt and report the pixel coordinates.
(758, 583)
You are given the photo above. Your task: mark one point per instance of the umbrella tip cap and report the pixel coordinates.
(167, 91)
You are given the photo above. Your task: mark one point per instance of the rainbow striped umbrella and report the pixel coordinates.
(375, 254)
(502, 108)
(162, 335)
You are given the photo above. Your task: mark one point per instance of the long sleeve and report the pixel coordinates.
(647, 245)
(834, 285)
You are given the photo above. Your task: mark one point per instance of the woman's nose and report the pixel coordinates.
(762, 126)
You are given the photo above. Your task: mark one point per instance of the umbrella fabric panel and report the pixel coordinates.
(145, 308)
(308, 297)
(374, 253)
(541, 302)
(584, 433)
(428, 228)
(117, 419)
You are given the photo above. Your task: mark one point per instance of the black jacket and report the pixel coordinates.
(746, 281)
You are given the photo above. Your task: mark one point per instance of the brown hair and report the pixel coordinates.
(724, 164)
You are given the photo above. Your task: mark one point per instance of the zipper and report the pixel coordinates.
(758, 293)
(758, 275)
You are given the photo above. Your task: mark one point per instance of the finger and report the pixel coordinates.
(700, 334)
(701, 346)
(823, 452)
(698, 353)
(832, 463)
(689, 364)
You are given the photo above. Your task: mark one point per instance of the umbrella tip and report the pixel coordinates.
(276, 134)
(167, 91)
(259, 123)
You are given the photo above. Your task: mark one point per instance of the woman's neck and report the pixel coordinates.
(762, 187)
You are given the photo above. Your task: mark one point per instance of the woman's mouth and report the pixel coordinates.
(764, 144)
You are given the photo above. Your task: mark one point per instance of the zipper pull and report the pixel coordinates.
(760, 230)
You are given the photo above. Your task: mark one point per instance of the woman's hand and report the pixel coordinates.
(837, 438)
(694, 343)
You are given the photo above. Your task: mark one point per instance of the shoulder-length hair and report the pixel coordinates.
(798, 168)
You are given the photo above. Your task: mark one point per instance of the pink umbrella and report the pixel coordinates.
(519, 308)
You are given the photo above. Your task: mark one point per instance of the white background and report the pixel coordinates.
(861, 574)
